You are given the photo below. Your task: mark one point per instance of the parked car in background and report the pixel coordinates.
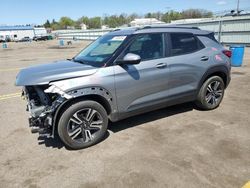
(42, 38)
(25, 39)
(121, 74)
(39, 38)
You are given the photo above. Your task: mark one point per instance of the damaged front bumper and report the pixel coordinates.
(42, 103)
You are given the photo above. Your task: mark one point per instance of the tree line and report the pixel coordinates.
(124, 19)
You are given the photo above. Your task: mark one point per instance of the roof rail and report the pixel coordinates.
(116, 30)
(169, 26)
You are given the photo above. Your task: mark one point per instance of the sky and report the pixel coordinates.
(17, 12)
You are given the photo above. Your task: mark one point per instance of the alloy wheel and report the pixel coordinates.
(214, 93)
(84, 125)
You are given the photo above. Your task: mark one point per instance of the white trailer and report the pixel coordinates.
(40, 31)
(16, 33)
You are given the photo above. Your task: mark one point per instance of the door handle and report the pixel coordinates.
(161, 65)
(204, 58)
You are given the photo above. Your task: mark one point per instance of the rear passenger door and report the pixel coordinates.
(185, 63)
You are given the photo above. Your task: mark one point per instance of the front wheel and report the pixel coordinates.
(211, 93)
(83, 124)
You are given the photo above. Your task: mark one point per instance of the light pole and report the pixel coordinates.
(238, 8)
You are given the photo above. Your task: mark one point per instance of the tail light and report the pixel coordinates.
(228, 53)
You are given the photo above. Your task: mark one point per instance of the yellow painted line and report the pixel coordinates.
(4, 98)
(9, 96)
(247, 185)
(6, 95)
(11, 69)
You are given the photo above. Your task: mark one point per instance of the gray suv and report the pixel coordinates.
(124, 73)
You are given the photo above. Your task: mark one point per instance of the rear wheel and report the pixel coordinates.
(83, 124)
(211, 93)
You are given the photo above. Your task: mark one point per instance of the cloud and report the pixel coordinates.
(221, 3)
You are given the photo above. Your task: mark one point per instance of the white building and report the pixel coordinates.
(40, 31)
(145, 21)
(19, 32)
(83, 26)
(104, 27)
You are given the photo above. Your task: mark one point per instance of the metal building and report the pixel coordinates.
(228, 30)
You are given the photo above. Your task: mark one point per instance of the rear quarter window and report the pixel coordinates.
(208, 42)
(211, 36)
(184, 43)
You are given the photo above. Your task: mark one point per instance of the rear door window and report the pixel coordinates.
(183, 43)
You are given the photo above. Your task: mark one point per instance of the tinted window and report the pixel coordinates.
(183, 43)
(211, 36)
(147, 46)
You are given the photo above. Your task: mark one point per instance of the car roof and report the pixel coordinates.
(160, 29)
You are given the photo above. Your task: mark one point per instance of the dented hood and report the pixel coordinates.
(43, 74)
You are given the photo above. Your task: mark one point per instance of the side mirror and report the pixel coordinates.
(129, 59)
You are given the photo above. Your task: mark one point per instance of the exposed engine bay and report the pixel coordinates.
(41, 106)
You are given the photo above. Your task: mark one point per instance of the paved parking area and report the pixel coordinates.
(173, 147)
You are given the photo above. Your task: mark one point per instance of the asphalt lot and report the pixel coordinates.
(173, 147)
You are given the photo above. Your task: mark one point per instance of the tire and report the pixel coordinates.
(211, 93)
(82, 124)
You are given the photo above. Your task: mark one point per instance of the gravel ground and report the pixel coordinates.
(174, 147)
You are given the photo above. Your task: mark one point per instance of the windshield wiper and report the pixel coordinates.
(77, 60)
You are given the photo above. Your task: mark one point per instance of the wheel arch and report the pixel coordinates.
(220, 71)
(99, 95)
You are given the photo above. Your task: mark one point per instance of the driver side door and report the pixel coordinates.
(145, 84)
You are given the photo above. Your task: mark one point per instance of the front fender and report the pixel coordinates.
(83, 92)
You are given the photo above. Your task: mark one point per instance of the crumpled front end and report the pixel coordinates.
(42, 102)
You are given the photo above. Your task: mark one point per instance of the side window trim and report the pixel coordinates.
(163, 39)
(167, 45)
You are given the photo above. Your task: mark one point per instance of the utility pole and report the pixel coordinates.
(238, 8)
(220, 30)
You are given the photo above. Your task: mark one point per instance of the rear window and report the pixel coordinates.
(183, 43)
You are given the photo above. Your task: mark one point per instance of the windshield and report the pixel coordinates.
(98, 52)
